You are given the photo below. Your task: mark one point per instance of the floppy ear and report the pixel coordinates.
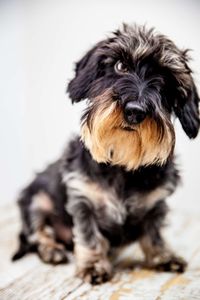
(186, 104)
(85, 73)
(185, 96)
(187, 110)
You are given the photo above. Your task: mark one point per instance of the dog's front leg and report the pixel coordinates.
(157, 253)
(90, 247)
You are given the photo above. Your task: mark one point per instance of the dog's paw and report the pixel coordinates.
(99, 272)
(171, 263)
(54, 254)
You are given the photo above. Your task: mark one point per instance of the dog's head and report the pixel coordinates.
(134, 82)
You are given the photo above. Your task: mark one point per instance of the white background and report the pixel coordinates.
(39, 42)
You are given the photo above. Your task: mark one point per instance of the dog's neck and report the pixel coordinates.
(143, 176)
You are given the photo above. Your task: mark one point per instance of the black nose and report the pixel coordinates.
(133, 113)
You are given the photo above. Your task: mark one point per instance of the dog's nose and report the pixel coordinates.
(133, 113)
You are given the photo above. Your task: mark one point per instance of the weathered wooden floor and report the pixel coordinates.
(30, 279)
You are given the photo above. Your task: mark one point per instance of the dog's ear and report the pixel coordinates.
(186, 99)
(187, 110)
(85, 74)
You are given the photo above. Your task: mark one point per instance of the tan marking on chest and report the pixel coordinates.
(148, 199)
(99, 196)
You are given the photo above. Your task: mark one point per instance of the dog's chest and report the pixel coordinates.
(103, 199)
(111, 203)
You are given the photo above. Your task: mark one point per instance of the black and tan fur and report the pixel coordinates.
(109, 187)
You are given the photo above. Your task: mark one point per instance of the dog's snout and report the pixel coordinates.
(134, 114)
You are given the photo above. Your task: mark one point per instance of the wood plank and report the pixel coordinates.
(30, 279)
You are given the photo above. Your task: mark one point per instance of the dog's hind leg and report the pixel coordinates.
(37, 211)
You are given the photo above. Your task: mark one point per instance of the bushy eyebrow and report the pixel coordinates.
(111, 55)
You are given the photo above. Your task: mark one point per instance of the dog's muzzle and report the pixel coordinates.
(133, 113)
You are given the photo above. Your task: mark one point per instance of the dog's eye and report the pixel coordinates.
(120, 67)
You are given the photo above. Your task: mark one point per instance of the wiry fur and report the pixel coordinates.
(109, 187)
(104, 132)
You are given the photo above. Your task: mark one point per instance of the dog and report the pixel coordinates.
(108, 188)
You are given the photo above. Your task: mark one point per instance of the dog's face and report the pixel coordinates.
(134, 81)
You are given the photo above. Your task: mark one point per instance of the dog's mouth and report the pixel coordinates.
(128, 128)
(125, 127)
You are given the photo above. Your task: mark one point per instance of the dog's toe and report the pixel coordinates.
(172, 264)
(98, 273)
(54, 254)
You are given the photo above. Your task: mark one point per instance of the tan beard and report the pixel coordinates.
(104, 134)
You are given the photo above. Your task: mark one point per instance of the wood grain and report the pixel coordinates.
(30, 279)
